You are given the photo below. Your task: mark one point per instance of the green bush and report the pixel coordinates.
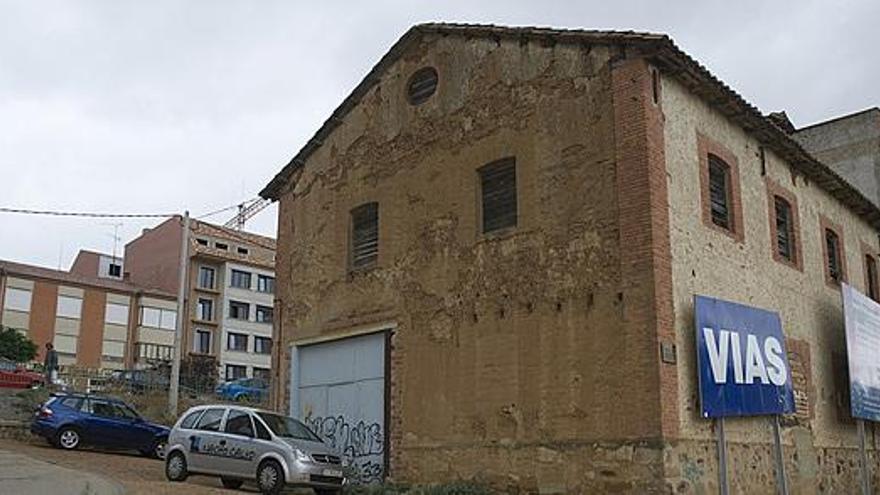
(15, 346)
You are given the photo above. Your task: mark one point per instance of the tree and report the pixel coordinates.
(15, 346)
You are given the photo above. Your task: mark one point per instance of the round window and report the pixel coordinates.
(422, 84)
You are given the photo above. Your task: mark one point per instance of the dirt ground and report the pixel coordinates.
(137, 474)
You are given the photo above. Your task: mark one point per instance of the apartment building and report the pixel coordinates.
(91, 316)
(230, 290)
(491, 252)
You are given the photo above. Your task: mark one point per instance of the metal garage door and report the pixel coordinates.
(338, 389)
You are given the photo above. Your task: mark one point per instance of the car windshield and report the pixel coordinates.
(285, 427)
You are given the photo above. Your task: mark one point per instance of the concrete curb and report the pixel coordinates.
(22, 474)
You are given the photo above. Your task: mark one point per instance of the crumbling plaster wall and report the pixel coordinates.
(510, 360)
(712, 263)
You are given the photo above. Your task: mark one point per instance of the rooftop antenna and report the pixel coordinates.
(116, 237)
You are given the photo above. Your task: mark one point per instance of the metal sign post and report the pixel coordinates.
(781, 481)
(722, 457)
(865, 468)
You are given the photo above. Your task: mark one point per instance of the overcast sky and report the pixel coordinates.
(159, 106)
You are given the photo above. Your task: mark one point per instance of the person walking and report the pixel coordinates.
(50, 364)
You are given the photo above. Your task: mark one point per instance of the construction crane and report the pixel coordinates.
(246, 211)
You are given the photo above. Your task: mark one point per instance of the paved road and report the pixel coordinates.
(37, 468)
(23, 475)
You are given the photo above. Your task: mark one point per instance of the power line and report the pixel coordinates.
(85, 214)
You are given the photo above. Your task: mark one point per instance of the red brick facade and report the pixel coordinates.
(646, 272)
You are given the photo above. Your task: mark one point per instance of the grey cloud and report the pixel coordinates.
(165, 105)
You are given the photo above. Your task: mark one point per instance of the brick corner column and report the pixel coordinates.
(643, 209)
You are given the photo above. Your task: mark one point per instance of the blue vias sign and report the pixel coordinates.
(743, 366)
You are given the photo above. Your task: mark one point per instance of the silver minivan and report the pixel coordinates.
(241, 444)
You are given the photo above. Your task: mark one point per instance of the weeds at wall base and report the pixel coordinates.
(456, 488)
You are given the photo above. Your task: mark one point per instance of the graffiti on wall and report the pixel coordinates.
(362, 444)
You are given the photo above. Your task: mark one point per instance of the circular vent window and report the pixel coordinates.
(422, 84)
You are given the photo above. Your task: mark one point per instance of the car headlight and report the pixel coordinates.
(301, 456)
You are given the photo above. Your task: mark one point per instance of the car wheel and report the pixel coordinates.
(175, 467)
(231, 483)
(68, 438)
(332, 491)
(242, 398)
(270, 478)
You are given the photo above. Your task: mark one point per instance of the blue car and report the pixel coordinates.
(68, 421)
(244, 390)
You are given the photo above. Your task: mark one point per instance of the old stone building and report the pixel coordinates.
(488, 256)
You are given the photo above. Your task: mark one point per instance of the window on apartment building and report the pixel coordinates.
(266, 284)
(150, 317)
(498, 206)
(833, 266)
(206, 277)
(116, 314)
(17, 300)
(115, 270)
(243, 250)
(203, 342)
(239, 310)
(365, 235)
(205, 309)
(264, 314)
(719, 193)
(158, 318)
(262, 345)
(871, 275)
(221, 246)
(262, 374)
(235, 372)
(202, 242)
(785, 234)
(168, 319)
(69, 307)
(240, 279)
(236, 342)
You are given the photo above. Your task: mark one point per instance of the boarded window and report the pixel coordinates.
(498, 193)
(785, 244)
(871, 274)
(719, 192)
(365, 235)
(832, 248)
(422, 84)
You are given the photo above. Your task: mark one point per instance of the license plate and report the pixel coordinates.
(333, 473)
